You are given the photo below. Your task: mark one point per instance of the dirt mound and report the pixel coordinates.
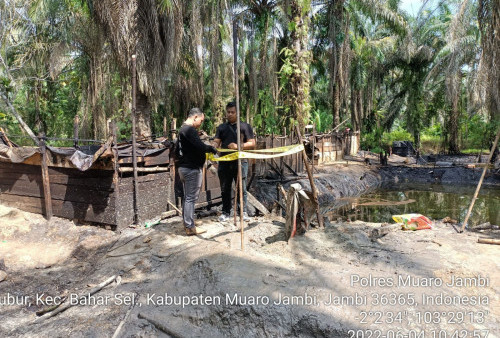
(334, 282)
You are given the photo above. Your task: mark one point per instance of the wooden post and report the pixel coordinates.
(113, 129)
(165, 126)
(173, 171)
(76, 122)
(134, 141)
(116, 175)
(283, 142)
(313, 145)
(480, 181)
(236, 89)
(174, 129)
(292, 136)
(45, 178)
(322, 149)
(278, 198)
(311, 180)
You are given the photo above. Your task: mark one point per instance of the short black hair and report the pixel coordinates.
(195, 111)
(231, 104)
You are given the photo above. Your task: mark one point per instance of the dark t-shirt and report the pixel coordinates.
(226, 132)
(192, 148)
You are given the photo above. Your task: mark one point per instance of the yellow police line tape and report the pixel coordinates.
(270, 150)
(282, 151)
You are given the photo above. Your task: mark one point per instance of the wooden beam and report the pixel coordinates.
(46, 180)
(259, 206)
(488, 241)
(144, 170)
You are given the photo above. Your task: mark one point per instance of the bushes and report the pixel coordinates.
(378, 140)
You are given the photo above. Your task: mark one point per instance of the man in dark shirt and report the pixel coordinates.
(226, 137)
(191, 157)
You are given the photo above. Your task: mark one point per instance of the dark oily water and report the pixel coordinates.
(433, 201)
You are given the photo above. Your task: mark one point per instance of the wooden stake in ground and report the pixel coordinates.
(134, 142)
(238, 131)
(480, 182)
(311, 180)
(45, 178)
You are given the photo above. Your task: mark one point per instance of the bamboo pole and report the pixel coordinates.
(480, 182)
(311, 180)
(134, 140)
(236, 89)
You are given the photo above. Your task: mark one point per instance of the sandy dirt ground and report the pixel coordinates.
(333, 282)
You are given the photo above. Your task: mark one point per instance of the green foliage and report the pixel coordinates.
(267, 121)
(435, 130)
(8, 123)
(396, 135)
(322, 119)
(400, 79)
(378, 140)
(477, 132)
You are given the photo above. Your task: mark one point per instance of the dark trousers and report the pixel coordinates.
(228, 173)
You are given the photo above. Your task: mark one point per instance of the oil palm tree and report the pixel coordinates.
(455, 66)
(489, 21)
(153, 31)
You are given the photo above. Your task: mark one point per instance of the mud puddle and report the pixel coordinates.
(435, 201)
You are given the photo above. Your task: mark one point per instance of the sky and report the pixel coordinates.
(412, 6)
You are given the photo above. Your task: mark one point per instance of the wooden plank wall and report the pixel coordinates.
(87, 195)
(155, 190)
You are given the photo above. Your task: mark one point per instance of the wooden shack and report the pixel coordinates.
(95, 183)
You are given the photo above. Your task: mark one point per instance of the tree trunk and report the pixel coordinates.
(455, 85)
(197, 34)
(215, 65)
(19, 118)
(299, 80)
(143, 116)
(264, 66)
(453, 128)
(336, 104)
(355, 117)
